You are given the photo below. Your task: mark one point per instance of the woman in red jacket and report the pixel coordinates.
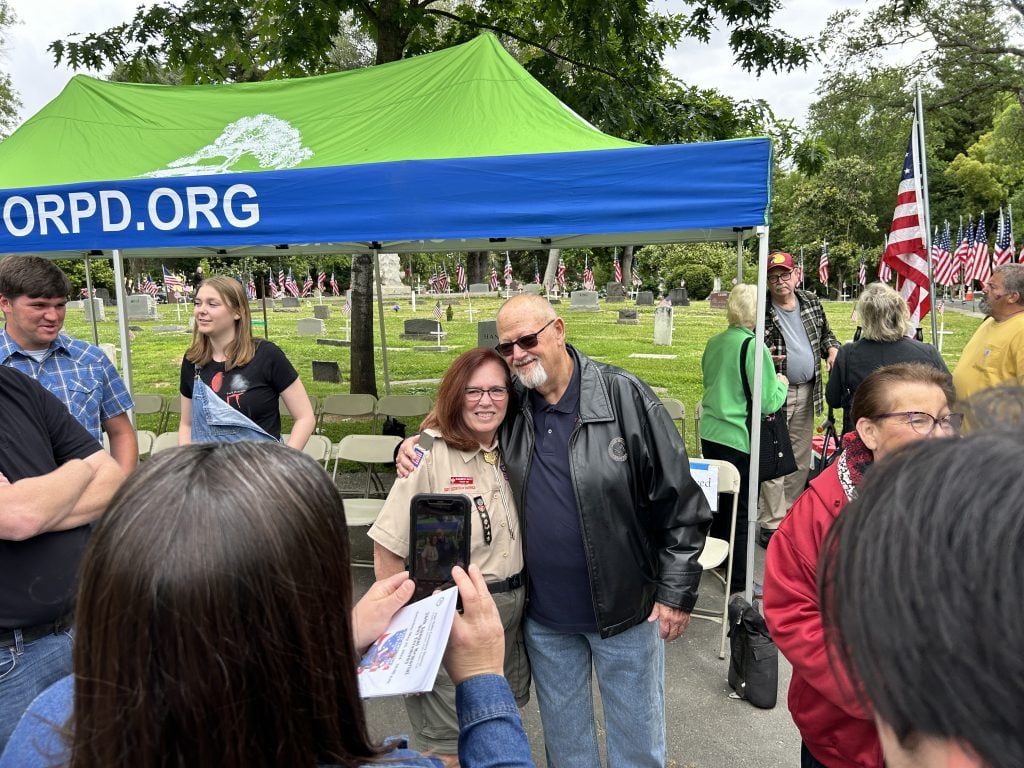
(892, 407)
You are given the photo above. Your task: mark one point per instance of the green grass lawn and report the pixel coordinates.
(156, 356)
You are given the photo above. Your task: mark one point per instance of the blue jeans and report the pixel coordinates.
(630, 671)
(26, 670)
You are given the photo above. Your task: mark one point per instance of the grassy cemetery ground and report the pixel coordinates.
(156, 354)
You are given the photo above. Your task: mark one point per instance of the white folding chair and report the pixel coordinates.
(367, 450)
(346, 406)
(164, 441)
(317, 446)
(403, 406)
(146, 438)
(718, 552)
(173, 406)
(150, 405)
(677, 411)
(314, 402)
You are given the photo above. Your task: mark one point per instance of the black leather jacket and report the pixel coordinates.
(642, 516)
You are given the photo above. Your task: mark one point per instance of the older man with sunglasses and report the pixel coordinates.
(613, 527)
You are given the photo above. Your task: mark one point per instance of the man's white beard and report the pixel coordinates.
(983, 305)
(536, 377)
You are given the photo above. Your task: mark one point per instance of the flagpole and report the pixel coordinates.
(919, 109)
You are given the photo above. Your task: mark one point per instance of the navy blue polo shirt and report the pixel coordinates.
(560, 596)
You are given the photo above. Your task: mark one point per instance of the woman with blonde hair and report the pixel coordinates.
(247, 374)
(725, 427)
(885, 322)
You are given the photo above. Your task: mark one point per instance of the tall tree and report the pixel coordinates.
(9, 101)
(601, 57)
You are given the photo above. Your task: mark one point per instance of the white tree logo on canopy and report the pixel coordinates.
(274, 143)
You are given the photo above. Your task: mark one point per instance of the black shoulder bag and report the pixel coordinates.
(777, 458)
(754, 658)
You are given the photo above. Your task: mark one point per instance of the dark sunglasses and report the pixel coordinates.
(529, 341)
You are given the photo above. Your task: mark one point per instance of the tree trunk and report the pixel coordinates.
(627, 267)
(477, 264)
(363, 376)
(551, 270)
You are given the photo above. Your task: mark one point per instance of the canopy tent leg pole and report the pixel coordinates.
(122, 324)
(380, 320)
(755, 408)
(88, 298)
(739, 256)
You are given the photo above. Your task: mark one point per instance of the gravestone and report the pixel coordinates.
(290, 302)
(390, 275)
(583, 301)
(94, 309)
(104, 294)
(110, 351)
(77, 304)
(718, 284)
(326, 370)
(718, 299)
(322, 311)
(312, 326)
(141, 306)
(334, 342)
(627, 317)
(663, 327)
(265, 304)
(645, 298)
(679, 297)
(479, 288)
(420, 329)
(487, 333)
(535, 288)
(615, 293)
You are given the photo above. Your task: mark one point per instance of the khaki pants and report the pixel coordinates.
(432, 715)
(778, 495)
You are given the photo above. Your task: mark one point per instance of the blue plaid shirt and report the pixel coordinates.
(79, 374)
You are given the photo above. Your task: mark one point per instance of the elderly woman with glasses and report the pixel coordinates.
(894, 406)
(463, 458)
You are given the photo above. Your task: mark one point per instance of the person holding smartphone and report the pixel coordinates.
(463, 458)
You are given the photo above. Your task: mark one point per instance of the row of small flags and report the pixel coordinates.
(439, 283)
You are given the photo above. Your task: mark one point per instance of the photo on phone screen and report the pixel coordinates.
(440, 528)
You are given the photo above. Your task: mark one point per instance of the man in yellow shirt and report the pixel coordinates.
(995, 354)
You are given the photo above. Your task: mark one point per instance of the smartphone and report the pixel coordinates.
(440, 533)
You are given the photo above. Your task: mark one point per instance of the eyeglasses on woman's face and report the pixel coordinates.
(924, 423)
(529, 341)
(475, 394)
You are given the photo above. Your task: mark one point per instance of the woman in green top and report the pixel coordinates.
(724, 429)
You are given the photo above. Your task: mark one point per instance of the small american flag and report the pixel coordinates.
(307, 285)
(862, 274)
(280, 279)
(250, 287)
(334, 286)
(508, 271)
(148, 286)
(274, 290)
(618, 269)
(290, 285)
(561, 273)
(321, 280)
(346, 308)
(823, 263)
(636, 273)
(443, 283)
(435, 282)
(437, 310)
(460, 276)
(588, 276)
(494, 277)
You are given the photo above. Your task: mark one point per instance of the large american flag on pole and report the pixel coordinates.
(508, 271)
(321, 280)
(307, 285)
(943, 264)
(443, 283)
(171, 281)
(334, 285)
(588, 276)
(460, 276)
(636, 272)
(617, 267)
(290, 285)
(494, 277)
(148, 286)
(250, 287)
(960, 255)
(906, 252)
(280, 278)
(561, 273)
(274, 290)
(862, 273)
(823, 264)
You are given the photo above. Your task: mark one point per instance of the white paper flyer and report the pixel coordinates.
(405, 659)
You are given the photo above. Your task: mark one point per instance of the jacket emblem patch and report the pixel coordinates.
(617, 449)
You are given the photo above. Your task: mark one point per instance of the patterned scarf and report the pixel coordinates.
(853, 462)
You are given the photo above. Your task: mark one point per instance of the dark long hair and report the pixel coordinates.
(214, 620)
(920, 593)
(447, 414)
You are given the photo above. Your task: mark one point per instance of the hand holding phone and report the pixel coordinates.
(439, 539)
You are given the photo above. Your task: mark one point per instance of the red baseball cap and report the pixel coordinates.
(780, 260)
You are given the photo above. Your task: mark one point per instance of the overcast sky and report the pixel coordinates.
(42, 21)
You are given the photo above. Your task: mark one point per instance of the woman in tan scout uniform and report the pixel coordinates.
(464, 459)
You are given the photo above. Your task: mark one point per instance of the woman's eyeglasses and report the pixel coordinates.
(924, 423)
(529, 341)
(475, 394)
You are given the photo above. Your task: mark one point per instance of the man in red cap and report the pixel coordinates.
(798, 335)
